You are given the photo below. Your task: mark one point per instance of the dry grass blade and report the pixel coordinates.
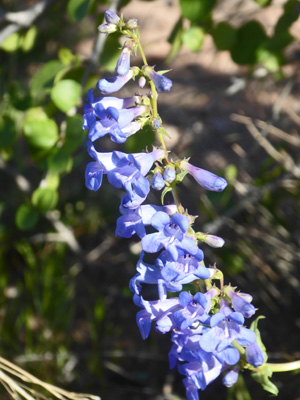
(20, 391)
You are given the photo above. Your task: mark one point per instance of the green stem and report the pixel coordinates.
(283, 367)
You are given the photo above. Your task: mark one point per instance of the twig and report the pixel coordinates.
(98, 47)
(284, 159)
(294, 140)
(15, 388)
(22, 19)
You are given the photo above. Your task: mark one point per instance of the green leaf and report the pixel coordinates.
(193, 38)
(140, 140)
(263, 3)
(262, 376)
(272, 61)
(249, 38)
(110, 53)
(175, 39)
(196, 10)
(74, 133)
(231, 173)
(77, 9)
(12, 43)
(66, 94)
(26, 217)
(224, 36)
(8, 131)
(65, 56)
(254, 327)
(44, 199)
(40, 131)
(44, 78)
(59, 161)
(29, 38)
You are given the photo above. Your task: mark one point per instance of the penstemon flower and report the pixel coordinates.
(208, 327)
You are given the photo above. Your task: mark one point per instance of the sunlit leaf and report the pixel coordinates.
(40, 131)
(44, 199)
(193, 38)
(29, 38)
(66, 94)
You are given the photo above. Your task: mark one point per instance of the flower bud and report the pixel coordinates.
(107, 28)
(142, 82)
(158, 181)
(231, 377)
(214, 241)
(123, 63)
(132, 23)
(254, 355)
(169, 174)
(161, 82)
(111, 17)
(205, 178)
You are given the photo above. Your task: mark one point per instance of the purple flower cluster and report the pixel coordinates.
(207, 329)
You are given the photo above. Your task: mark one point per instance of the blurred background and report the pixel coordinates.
(66, 312)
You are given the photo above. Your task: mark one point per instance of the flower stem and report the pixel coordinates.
(283, 367)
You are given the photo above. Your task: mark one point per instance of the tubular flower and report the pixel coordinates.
(115, 83)
(206, 179)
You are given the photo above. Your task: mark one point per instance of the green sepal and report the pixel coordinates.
(164, 192)
(162, 131)
(259, 341)
(180, 176)
(262, 375)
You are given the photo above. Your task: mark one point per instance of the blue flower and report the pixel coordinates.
(111, 17)
(194, 308)
(156, 310)
(254, 355)
(171, 235)
(134, 220)
(130, 174)
(185, 269)
(123, 63)
(231, 377)
(115, 83)
(241, 302)
(169, 174)
(157, 181)
(226, 326)
(161, 82)
(206, 179)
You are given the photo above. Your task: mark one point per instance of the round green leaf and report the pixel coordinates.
(40, 131)
(8, 131)
(29, 38)
(74, 133)
(26, 217)
(196, 10)
(224, 36)
(66, 94)
(12, 43)
(249, 38)
(193, 38)
(77, 9)
(59, 161)
(44, 199)
(44, 78)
